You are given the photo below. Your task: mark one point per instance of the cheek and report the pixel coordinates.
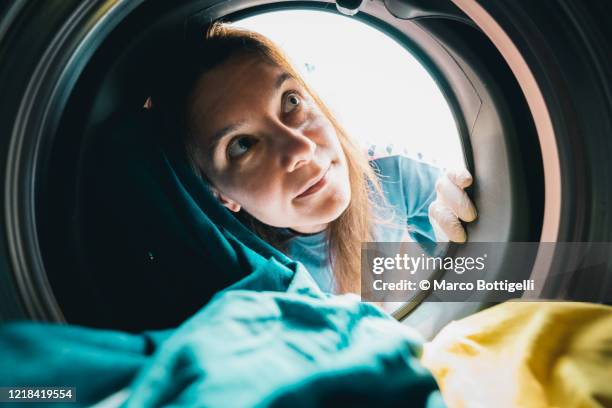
(343, 184)
(247, 190)
(320, 125)
(270, 206)
(327, 135)
(261, 196)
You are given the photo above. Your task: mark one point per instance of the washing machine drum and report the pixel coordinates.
(106, 224)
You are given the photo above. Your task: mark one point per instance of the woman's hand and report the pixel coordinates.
(451, 205)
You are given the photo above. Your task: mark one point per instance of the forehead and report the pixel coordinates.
(232, 91)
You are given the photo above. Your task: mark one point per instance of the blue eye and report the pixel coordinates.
(291, 101)
(239, 146)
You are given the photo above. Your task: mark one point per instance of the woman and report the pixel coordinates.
(274, 155)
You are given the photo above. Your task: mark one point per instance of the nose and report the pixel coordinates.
(296, 149)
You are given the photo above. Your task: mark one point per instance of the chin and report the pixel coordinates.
(336, 205)
(324, 209)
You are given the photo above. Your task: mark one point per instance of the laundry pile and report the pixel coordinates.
(246, 348)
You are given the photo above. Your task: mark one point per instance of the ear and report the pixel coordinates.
(226, 202)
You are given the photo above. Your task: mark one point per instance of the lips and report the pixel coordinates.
(315, 184)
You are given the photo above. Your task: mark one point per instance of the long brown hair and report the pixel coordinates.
(354, 226)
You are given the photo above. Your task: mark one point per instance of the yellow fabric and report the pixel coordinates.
(526, 354)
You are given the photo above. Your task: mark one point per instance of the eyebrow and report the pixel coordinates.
(221, 133)
(281, 79)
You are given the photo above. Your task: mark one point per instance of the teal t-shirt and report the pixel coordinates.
(408, 187)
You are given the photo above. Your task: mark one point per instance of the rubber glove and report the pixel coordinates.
(451, 206)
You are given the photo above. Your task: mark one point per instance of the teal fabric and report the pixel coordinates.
(298, 348)
(285, 344)
(96, 362)
(408, 188)
(157, 245)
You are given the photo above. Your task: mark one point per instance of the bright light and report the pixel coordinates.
(378, 90)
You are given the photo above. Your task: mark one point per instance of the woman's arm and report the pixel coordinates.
(434, 202)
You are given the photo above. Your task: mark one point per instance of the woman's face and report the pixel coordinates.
(269, 149)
